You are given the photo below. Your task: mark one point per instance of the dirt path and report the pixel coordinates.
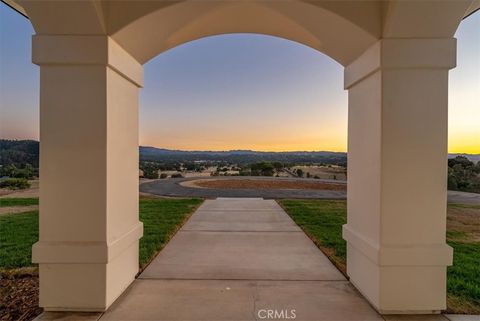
(17, 209)
(33, 191)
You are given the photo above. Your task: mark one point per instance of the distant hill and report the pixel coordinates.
(472, 157)
(20, 152)
(250, 156)
(240, 156)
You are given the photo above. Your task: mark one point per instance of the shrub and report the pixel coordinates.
(463, 175)
(299, 173)
(150, 174)
(163, 175)
(177, 175)
(11, 170)
(14, 183)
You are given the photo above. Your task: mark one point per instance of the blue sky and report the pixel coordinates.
(236, 92)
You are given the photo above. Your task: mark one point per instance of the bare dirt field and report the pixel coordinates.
(268, 184)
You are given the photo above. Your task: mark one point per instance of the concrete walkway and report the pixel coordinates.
(235, 259)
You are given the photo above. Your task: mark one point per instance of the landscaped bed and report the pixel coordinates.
(322, 220)
(19, 277)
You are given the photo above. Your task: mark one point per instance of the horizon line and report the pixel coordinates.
(238, 149)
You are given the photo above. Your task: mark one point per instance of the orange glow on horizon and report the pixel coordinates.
(467, 145)
(254, 146)
(457, 145)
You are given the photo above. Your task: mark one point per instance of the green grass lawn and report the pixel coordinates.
(463, 278)
(17, 234)
(161, 219)
(322, 221)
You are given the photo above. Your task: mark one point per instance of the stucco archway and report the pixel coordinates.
(397, 55)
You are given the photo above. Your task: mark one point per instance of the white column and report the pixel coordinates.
(89, 227)
(397, 174)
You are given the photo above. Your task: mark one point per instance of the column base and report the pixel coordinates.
(399, 283)
(87, 287)
(86, 276)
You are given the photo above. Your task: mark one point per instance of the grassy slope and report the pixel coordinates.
(322, 221)
(161, 219)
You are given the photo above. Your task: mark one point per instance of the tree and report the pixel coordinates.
(150, 174)
(299, 172)
(278, 166)
(150, 169)
(463, 175)
(262, 168)
(462, 160)
(476, 168)
(452, 181)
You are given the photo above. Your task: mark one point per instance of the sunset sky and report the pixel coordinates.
(237, 92)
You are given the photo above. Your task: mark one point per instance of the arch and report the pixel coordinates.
(147, 28)
(426, 19)
(397, 54)
(148, 35)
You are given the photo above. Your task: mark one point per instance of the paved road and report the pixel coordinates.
(463, 198)
(235, 258)
(172, 187)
